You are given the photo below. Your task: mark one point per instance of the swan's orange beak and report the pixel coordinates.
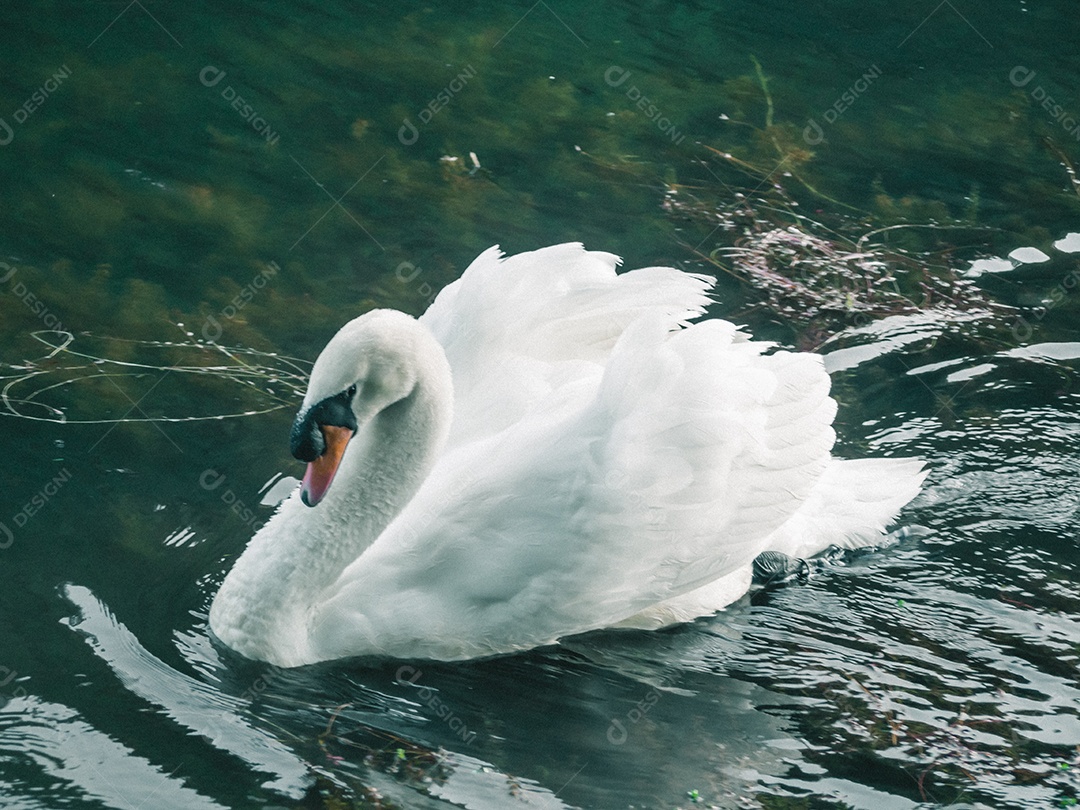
(320, 472)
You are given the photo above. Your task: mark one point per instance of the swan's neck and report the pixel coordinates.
(383, 468)
(265, 604)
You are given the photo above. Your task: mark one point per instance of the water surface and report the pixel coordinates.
(144, 212)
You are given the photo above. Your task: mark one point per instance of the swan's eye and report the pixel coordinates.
(351, 392)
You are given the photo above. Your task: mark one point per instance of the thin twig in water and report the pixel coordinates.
(764, 89)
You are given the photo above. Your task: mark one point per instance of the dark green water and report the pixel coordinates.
(140, 205)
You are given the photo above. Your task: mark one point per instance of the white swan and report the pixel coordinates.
(550, 449)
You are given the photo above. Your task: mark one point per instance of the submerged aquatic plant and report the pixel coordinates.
(819, 279)
(824, 273)
(352, 756)
(756, 212)
(977, 752)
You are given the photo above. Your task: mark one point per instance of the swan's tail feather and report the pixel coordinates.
(851, 506)
(721, 440)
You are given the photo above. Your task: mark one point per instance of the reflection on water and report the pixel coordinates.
(159, 228)
(85, 764)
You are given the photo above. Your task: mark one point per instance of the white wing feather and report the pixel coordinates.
(516, 329)
(605, 459)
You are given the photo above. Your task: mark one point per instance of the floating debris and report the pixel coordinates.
(1070, 244)
(1028, 255)
(993, 265)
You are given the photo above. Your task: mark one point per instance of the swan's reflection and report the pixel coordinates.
(602, 709)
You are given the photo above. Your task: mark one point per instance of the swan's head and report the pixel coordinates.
(371, 363)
